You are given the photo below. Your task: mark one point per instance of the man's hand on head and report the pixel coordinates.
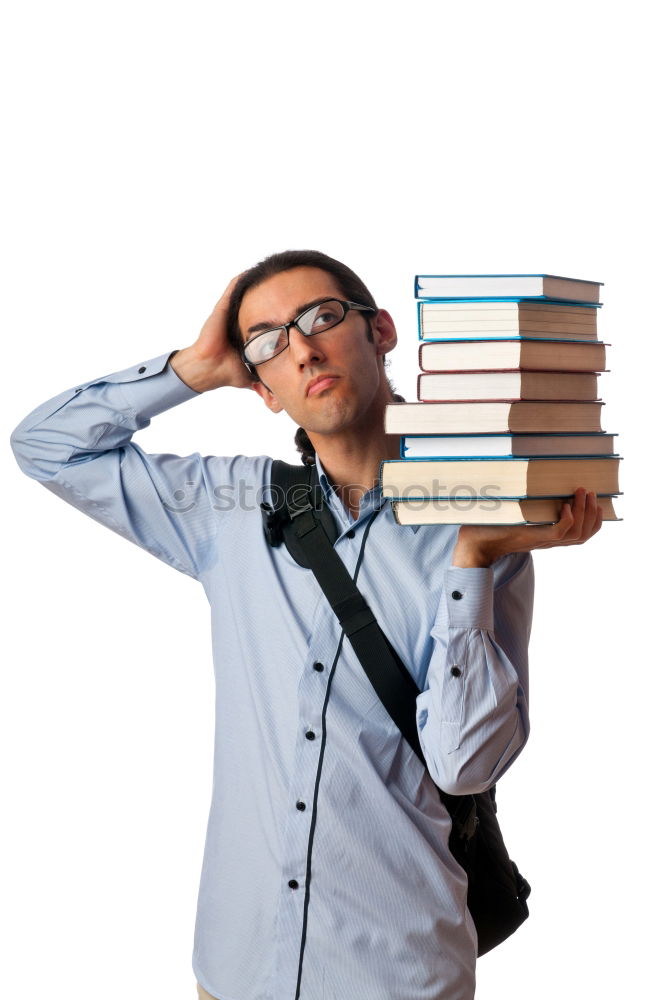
(211, 362)
(479, 545)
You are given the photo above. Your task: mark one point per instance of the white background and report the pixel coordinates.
(152, 151)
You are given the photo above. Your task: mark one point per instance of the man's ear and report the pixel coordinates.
(384, 332)
(267, 396)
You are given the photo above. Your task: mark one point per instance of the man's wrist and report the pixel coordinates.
(468, 556)
(191, 370)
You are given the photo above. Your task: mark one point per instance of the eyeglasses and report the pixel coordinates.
(316, 319)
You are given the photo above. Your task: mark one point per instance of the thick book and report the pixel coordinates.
(491, 319)
(542, 286)
(488, 511)
(487, 355)
(481, 478)
(505, 445)
(492, 418)
(478, 386)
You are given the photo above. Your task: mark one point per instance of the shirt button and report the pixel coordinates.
(141, 369)
(310, 735)
(456, 595)
(455, 671)
(319, 667)
(293, 884)
(300, 805)
(350, 534)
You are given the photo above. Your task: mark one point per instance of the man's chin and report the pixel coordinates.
(340, 421)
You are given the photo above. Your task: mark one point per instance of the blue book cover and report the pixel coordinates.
(447, 447)
(553, 287)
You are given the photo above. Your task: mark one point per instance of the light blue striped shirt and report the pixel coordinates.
(326, 873)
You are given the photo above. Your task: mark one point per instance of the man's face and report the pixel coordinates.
(354, 384)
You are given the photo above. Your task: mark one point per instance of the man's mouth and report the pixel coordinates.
(319, 384)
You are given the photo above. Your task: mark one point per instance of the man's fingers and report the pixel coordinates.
(544, 536)
(575, 524)
(590, 516)
(222, 304)
(593, 520)
(579, 521)
(559, 532)
(566, 520)
(580, 511)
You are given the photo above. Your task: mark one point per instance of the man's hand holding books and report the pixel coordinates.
(480, 545)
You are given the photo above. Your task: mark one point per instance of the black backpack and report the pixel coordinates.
(299, 516)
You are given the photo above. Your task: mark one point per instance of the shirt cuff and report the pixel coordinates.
(467, 599)
(151, 387)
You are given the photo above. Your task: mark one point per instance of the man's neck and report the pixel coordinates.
(352, 462)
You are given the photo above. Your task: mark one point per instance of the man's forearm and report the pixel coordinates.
(193, 371)
(96, 416)
(467, 555)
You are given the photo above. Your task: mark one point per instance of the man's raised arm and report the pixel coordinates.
(79, 446)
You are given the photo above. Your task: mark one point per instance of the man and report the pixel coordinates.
(326, 873)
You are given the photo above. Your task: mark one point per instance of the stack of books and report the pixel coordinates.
(508, 422)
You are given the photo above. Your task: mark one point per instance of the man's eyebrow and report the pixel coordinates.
(259, 327)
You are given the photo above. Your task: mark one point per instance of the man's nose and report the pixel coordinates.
(305, 350)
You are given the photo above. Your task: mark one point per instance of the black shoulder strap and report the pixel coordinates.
(299, 522)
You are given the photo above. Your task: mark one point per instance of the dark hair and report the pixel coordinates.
(348, 282)
(350, 286)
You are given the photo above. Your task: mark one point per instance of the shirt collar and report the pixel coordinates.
(324, 481)
(372, 499)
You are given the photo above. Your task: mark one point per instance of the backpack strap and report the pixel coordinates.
(294, 488)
